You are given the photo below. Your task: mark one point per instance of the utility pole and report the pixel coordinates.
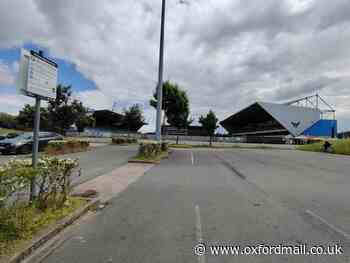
(160, 77)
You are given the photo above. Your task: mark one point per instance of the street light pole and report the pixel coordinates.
(160, 77)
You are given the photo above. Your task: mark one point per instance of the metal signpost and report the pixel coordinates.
(38, 79)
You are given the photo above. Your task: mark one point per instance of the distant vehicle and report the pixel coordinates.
(23, 143)
(10, 135)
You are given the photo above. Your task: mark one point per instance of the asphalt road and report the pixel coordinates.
(235, 197)
(97, 161)
(101, 160)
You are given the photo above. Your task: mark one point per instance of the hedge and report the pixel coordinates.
(150, 150)
(52, 178)
(66, 146)
(123, 140)
(19, 217)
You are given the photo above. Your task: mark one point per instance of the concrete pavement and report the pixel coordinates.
(101, 160)
(195, 196)
(111, 184)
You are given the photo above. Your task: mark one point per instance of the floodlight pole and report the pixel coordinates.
(35, 147)
(160, 77)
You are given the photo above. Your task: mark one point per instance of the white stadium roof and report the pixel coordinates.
(272, 118)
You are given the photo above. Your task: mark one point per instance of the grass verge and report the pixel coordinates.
(25, 222)
(338, 146)
(181, 146)
(189, 146)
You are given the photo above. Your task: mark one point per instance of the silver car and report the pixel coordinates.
(24, 142)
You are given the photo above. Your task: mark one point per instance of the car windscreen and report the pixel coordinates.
(24, 137)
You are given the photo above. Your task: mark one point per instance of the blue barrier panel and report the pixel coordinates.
(322, 128)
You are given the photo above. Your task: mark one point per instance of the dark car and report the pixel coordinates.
(10, 135)
(23, 143)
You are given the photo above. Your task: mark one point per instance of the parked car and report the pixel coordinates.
(23, 143)
(10, 135)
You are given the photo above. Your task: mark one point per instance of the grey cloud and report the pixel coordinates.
(308, 87)
(336, 13)
(270, 17)
(225, 54)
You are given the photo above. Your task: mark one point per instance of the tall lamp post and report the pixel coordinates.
(160, 77)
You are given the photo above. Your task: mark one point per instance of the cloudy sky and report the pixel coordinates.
(225, 53)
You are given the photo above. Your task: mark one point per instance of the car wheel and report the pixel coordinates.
(25, 149)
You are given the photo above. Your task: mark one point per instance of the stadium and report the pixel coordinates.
(308, 117)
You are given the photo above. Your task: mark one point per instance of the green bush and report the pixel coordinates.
(123, 140)
(165, 146)
(66, 146)
(53, 181)
(20, 222)
(19, 219)
(15, 222)
(151, 150)
(52, 177)
(15, 176)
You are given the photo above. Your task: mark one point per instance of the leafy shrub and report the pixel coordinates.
(165, 146)
(20, 222)
(150, 150)
(15, 176)
(15, 222)
(66, 146)
(123, 140)
(54, 181)
(52, 177)
(20, 219)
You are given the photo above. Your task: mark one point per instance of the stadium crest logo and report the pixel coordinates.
(295, 124)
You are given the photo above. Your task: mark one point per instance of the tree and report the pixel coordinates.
(168, 90)
(7, 121)
(84, 121)
(63, 111)
(60, 114)
(209, 123)
(26, 117)
(175, 105)
(133, 118)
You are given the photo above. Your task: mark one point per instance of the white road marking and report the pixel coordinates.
(199, 235)
(198, 224)
(192, 158)
(331, 226)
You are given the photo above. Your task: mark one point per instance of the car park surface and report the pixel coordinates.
(233, 197)
(97, 161)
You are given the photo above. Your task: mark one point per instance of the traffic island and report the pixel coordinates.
(151, 153)
(123, 140)
(66, 146)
